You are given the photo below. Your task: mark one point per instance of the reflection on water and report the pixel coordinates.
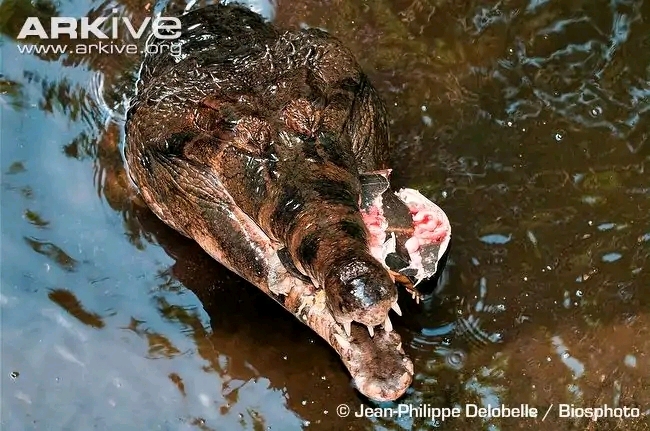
(528, 122)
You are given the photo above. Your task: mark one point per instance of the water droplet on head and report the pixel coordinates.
(559, 135)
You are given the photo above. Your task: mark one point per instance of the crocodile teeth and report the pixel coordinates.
(347, 326)
(399, 347)
(345, 344)
(387, 325)
(396, 308)
(371, 330)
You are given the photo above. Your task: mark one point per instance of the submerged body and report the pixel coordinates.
(253, 142)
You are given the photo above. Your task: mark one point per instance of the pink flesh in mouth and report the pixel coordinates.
(431, 227)
(376, 223)
(430, 223)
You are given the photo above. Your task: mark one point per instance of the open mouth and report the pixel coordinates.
(409, 233)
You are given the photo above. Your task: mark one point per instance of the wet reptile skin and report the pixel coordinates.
(252, 141)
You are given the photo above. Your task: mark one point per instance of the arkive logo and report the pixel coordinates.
(82, 28)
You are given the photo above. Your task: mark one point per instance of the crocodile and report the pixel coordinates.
(270, 149)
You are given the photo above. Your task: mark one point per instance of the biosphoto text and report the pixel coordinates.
(102, 35)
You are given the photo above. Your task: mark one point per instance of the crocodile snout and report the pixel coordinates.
(361, 291)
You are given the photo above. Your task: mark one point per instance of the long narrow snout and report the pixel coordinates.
(315, 212)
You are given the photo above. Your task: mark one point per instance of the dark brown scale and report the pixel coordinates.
(283, 123)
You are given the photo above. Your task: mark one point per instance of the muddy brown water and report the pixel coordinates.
(528, 122)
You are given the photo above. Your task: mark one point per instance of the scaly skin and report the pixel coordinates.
(287, 144)
(252, 141)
